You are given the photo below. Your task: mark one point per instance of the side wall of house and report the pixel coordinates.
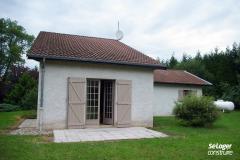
(39, 95)
(55, 89)
(165, 96)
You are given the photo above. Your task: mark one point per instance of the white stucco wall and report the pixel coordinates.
(165, 96)
(55, 89)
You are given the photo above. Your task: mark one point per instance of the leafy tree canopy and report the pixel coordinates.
(21, 89)
(15, 42)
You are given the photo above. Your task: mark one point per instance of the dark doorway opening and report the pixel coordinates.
(107, 102)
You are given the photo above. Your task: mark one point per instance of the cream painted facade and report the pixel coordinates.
(165, 96)
(55, 92)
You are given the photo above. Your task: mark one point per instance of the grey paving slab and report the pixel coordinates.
(28, 123)
(101, 134)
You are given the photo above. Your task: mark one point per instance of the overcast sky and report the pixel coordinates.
(157, 28)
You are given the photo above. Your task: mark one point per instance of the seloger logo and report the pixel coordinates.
(219, 149)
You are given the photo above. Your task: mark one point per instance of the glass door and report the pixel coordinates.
(108, 102)
(93, 99)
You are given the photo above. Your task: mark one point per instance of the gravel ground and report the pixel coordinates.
(29, 131)
(28, 127)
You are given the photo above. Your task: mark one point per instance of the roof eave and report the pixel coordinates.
(193, 84)
(207, 83)
(38, 58)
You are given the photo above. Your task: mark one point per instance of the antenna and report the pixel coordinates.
(119, 33)
(118, 25)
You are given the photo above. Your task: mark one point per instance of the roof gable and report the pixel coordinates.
(91, 49)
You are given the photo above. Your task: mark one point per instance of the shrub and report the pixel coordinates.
(29, 101)
(4, 107)
(23, 91)
(196, 111)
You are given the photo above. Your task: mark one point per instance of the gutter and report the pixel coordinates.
(42, 65)
(187, 84)
(153, 66)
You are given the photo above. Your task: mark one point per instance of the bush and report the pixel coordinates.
(23, 93)
(4, 107)
(196, 111)
(29, 101)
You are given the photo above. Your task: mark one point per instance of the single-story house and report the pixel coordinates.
(172, 85)
(89, 81)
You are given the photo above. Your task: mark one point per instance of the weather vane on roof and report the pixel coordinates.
(119, 33)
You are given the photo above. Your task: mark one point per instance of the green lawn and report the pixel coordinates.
(184, 143)
(10, 119)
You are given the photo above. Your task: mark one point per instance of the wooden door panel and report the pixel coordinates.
(76, 102)
(124, 102)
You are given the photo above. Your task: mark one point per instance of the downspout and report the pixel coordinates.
(41, 94)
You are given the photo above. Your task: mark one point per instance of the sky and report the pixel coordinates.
(159, 28)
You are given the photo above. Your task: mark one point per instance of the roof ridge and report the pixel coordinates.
(78, 35)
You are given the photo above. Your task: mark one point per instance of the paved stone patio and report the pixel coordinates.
(28, 123)
(102, 134)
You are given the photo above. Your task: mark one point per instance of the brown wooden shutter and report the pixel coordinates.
(76, 102)
(124, 102)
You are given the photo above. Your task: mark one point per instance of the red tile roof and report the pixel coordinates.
(178, 77)
(91, 49)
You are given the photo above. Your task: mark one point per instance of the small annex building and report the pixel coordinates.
(172, 85)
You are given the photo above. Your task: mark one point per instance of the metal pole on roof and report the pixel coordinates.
(118, 25)
(119, 33)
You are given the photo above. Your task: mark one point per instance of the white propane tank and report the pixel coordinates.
(224, 105)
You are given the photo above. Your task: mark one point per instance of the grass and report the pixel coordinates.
(184, 143)
(9, 120)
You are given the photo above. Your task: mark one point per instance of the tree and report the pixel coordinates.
(221, 68)
(198, 56)
(14, 43)
(221, 65)
(18, 70)
(15, 73)
(185, 58)
(196, 67)
(25, 84)
(236, 58)
(29, 100)
(172, 62)
(233, 94)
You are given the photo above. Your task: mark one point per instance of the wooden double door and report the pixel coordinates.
(95, 102)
